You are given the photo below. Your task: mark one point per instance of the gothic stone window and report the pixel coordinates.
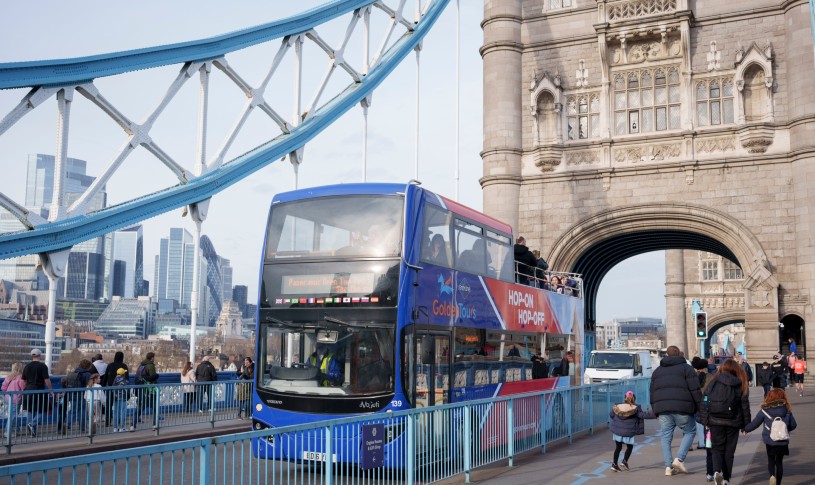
(555, 4)
(583, 116)
(710, 270)
(714, 102)
(731, 271)
(647, 101)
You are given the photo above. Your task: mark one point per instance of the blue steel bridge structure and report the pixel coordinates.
(58, 82)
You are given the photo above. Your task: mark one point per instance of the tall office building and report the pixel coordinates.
(128, 248)
(90, 266)
(174, 270)
(239, 294)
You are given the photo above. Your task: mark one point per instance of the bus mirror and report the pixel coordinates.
(428, 344)
(327, 336)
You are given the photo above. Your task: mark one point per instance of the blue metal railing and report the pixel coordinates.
(423, 445)
(40, 416)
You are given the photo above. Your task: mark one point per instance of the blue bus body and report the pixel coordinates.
(370, 303)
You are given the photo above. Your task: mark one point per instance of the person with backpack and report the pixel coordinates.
(119, 396)
(726, 411)
(77, 381)
(702, 433)
(145, 376)
(777, 421)
(627, 421)
(35, 375)
(111, 372)
(675, 399)
(205, 372)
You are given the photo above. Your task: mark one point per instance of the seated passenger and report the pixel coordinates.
(475, 260)
(513, 352)
(437, 252)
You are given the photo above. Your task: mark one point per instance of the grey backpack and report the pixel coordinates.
(778, 430)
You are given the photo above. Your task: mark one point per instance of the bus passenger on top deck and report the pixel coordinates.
(438, 251)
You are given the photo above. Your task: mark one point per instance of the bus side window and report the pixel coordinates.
(436, 234)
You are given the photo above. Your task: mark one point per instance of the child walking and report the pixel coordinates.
(775, 405)
(627, 421)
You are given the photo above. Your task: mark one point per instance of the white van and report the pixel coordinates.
(613, 365)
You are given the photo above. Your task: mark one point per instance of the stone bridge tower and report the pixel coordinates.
(617, 127)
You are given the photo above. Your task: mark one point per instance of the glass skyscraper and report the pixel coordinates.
(128, 247)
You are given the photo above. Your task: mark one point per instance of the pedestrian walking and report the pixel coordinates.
(111, 373)
(146, 377)
(120, 394)
(188, 389)
(798, 369)
(35, 375)
(726, 412)
(775, 407)
(702, 433)
(205, 373)
(94, 400)
(675, 399)
(244, 389)
(764, 377)
(75, 383)
(13, 383)
(627, 421)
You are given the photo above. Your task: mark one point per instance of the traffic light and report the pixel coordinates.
(701, 325)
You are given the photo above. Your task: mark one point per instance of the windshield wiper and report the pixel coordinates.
(337, 321)
(284, 324)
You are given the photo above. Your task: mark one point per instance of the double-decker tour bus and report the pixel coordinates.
(385, 297)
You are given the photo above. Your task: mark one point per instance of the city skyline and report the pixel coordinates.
(236, 216)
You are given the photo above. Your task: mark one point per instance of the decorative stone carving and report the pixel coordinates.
(547, 164)
(719, 144)
(757, 145)
(632, 9)
(647, 153)
(638, 52)
(713, 57)
(582, 157)
(582, 75)
(548, 158)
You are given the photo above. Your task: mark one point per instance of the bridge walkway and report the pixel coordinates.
(587, 459)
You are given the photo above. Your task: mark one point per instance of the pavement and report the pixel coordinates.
(49, 450)
(585, 461)
(588, 458)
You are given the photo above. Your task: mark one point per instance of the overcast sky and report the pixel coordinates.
(237, 215)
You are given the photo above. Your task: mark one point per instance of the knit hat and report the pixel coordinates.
(121, 371)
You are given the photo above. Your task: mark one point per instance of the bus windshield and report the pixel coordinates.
(611, 360)
(344, 360)
(328, 227)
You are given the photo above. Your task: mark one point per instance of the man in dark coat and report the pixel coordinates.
(525, 261)
(205, 372)
(675, 398)
(110, 376)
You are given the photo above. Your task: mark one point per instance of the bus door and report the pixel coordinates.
(432, 389)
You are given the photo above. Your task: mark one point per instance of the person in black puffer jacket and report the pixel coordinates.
(627, 421)
(724, 432)
(110, 377)
(775, 405)
(525, 262)
(675, 398)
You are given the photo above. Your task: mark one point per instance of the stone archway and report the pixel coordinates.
(597, 243)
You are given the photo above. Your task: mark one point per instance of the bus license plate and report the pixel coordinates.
(316, 456)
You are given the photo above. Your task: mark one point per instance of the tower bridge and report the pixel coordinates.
(618, 127)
